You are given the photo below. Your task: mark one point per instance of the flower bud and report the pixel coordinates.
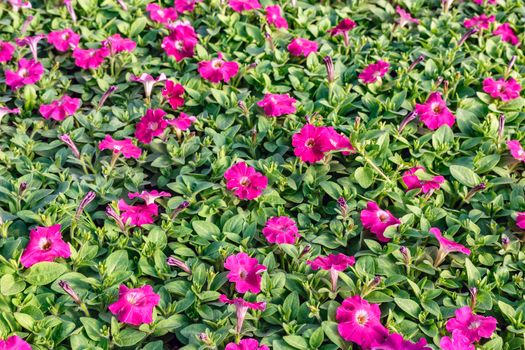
(329, 64)
(172, 261)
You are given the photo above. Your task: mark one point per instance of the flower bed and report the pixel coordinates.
(249, 175)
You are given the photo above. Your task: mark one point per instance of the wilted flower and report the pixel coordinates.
(412, 180)
(148, 81)
(505, 90)
(302, 47)
(149, 196)
(343, 28)
(246, 344)
(29, 72)
(281, 230)
(135, 305)
(218, 69)
(374, 72)
(242, 306)
(276, 105)
(480, 22)
(126, 147)
(434, 112)
(378, 220)
(137, 215)
(64, 39)
(507, 34)
(14, 342)
(6, 51)
(245, 272)
(152, 124)
(244, 5)
(446, 246)
(60, 109)
(274, 16)
(90, 58)
(333, 263)
(45, 244)
(245, 181)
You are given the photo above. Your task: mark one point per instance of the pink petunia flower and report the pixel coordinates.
(343, 28)
(148, 81)
(242, 306)
(60, 109)
(63, 40)
(456, 342)
(516, 150)
(281, 230)
(246, 344)
(218, 69)
(359, 322)
(149, 196)
(182, 122)
(333, 263)
(446, 246)
(378, 220)
(505, 90)
(126, 147)
(90, 58)
(151, 125)
(480, 2)
(275, 105)
(245, 181)
(20, 4)
(507, 34)
(520, 220)
(339, 142)
(6, 51)
(29, 72)
(302, 47)
(244, 5)
(311, 143)
(374, 72)
(395, 341)
(405, 17)
(117, 44)
(135, 305)
(181, 41)
(5, 111)
(161, 15)
(470, 325)
(70, 10)
(45, 244)
(480, 22)
(434, 112)
(137, 215)
(14, 342)
(32, 42)
(245, 272)
(274, 16)
(184, 5)
(173, 94)
(412, 181)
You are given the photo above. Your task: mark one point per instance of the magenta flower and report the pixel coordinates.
(181, 41)
(137, 215)
(45, 244)
(135, 305)
(20, 4)
(218, 69)
(60, 109)
(148, 196)
(339, 142)
(117, 44)
(246, 344)
(182, 122)
(412, 181)
(5, 111)
(520, 220)
(274, 16)
(480, 22)
(29, 72)
(245, 272)
(185, 5)
(302, 47)
(151, 125)
(516, 150)
(311, 143)
(32, 42)
(281, 230)
(69, 142)
(374, 72)
(343, 28)
(446, 246)
(244, 5)
(333, 263)
(405, 17)
(395, 341)
(378, 220)
(505, 90)
(126, 147)
(173, 94)
(64, 39)
(470, 325)
(480, 2)
(242, 306)
(6, 51)
(245, 181)
(456, 342)
(507, 34)
(90, 58)
(148, 81)
(275, 105)
(161, 15)
(14, 342)
(71, 10)
(434, 112)
(359, 322)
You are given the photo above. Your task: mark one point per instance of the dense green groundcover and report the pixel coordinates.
(415, 298)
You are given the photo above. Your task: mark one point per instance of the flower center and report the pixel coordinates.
(310, 143)
(245, 181)
(44, 244)
(23, 73)
(474, 325)
(361, 317)
(382, 216)
(133, 297)
(436, 107)
(153, 126)
(179, 45)
(217, 63)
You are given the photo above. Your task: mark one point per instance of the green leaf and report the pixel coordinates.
(128, 337)
(296, 341)
(44, 273)
(473, 273)
(330, 329)
(332, 189)
(364, 176)
(409, 306)
(317, 338)
(465, 175)
(10, 286)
